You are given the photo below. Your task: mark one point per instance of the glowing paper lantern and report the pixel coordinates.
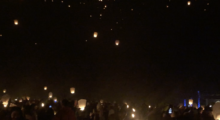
(20, 100)
(100, 14)
(133, 110)
(117, 42)
(190, 102)
(28, 98)
(55, 100)
(69, 6)
(61, 1)
(16, 22)
(82, 104)
(42, 104)
(4, 91)
(5, 99)
(45, 87)
(72, 90)
(95, 35)
(149, 106)
(127, 106)
(50, 94)
(167, 6)
(189, 3)
(0, 35)
(132, 115)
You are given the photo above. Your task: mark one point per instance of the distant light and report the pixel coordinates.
(100, 0)
(69, 6)
(132, 115)
(35, 43)
(210, 105)
(45, 0)
(20, 100)
(42, 104)
(116, 22)
(90, 15)
(50, 94)
(111, 29)
(16, 99)
(149, 106)
(204, 9)
(5, 105)
(45, 87)
(4, 91)
(117, 42)
(207, 3)
(170, 111)
(84, 3)
(52, 0)
(86, 40)
(127, 106)
(189, 3)
(61, 1)
(190, 102)
(28, 98)
(132, 9)
(167, 6)
(0, 35)
(55, 100)
(16, 22)
(100, 14)
(50, 106)
(54, 112)
(95, 35)
(105, 6)
(82, 109)
(133, 110)
(72, 90)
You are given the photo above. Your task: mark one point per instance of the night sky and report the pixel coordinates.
(167, 48)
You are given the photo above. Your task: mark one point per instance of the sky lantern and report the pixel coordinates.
(207, 3)
(42, 104)
(55, 100)
(100, 14)
(69, 6)
(167, 6)
(72, 90)
(117, 42)
(50, 94)
(132, 115)
(133, 110)
(20, 100)
(28, 98)
(45, 87)
(127, 106)
(189, 3)
(149, 106)
(16, 22)
(190, 102)
(61, 1)
(105, 6)
(51, 0)
(4, 91)
(95, 35)
(82, 104)
(0, 35)
(5, 99)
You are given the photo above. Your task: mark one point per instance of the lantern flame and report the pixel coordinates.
(45, 87)
(117, 42)
(189, 3)
(72, 90)
(16, 22)
(42, 104)
(95, 35)
(4, 91)
(132, 115)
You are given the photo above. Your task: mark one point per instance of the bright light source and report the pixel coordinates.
(54, 112)
(16, 99)
(100, 14)
(210, 105)
(45, 87)
(105, 6)
(16, 22)
(42, 104)
(133, 115)
(55, 100)
(69, 6)
(167, 6)
(133, 110)
(95, 35)
(5, 105)
(189, 3)
(4, 91)
(117, 42)
(127, 106)
(82, 109)
(149, 106)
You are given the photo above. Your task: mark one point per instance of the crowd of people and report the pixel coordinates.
(69, 110)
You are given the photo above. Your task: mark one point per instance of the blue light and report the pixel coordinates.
(184, 102)
(50, 106)
(199, 99)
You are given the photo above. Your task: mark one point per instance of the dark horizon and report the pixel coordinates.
(163, 53)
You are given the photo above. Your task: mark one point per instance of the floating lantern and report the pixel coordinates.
(207, 3)
(42, 104)
(5, 99)
(45, 87)
(20, 100)
(189, 3)
(4, 91)
(101, 101)
(55, 100)
(132, 115)
(0, 35)
(149, 106)
(167, 6)
(100, 0)
(101, 15)
(95, 35)
(45, 0)
(127, 106)
(82, 104)
(132, 9)
(61, 1)
(69, 6)
(28, 98)
(204, 9)
(133, 110)
(90, 15)
(51, 0)
(54, 112)
(105, 6)
(190, 102)
(72, 90)
(117, 42)
(16, 99)
(50, 94)
(16, 22)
